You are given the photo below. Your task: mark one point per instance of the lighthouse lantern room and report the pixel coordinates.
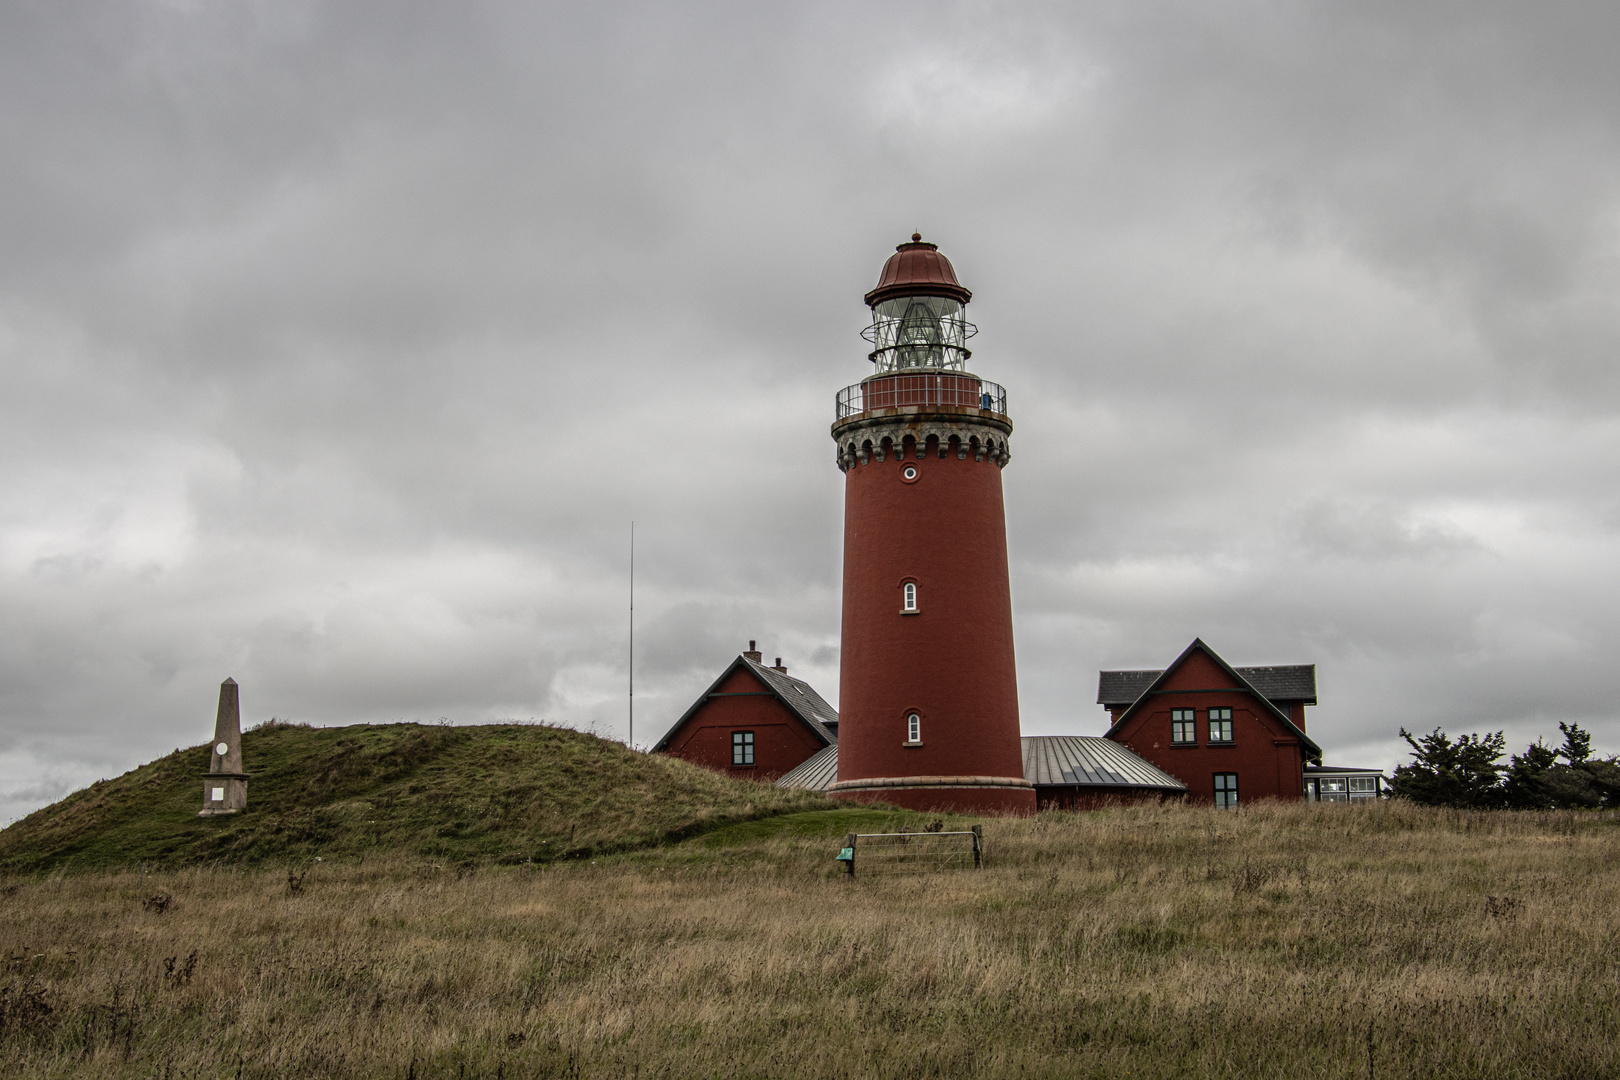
(928, 692)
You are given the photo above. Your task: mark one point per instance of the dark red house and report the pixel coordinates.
(754, 721)
(1227, 733)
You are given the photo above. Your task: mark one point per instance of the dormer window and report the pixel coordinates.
(910, 603)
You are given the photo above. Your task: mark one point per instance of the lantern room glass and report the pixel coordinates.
(919, 332)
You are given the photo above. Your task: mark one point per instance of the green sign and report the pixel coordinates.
(846, 855)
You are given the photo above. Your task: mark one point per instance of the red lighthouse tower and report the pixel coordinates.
(928, 692)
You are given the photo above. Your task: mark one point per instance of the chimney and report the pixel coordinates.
(753, 654)
(779, 666)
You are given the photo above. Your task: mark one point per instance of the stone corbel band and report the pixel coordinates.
(879, 783)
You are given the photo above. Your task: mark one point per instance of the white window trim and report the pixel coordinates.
(908, 603)
(913, 729)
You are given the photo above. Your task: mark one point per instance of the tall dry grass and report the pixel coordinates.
(1298, 941)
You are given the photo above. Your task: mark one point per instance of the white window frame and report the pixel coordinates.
(909, 592)
(913, 728)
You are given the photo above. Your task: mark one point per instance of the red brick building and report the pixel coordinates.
(1227, 733)
(754, 721)
(760, 723)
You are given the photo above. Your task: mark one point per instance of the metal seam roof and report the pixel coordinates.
(1049, 761)
(818, 772)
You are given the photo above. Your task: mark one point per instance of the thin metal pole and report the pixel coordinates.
(631, 742)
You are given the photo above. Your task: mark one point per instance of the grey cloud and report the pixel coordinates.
(339, 344)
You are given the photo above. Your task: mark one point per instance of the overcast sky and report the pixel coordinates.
(340, 344)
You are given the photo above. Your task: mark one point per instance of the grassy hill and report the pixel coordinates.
(496, 792)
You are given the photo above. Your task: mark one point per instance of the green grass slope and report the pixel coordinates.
(496, 792)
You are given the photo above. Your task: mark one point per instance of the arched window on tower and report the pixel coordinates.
(911, 596)
(913, 728)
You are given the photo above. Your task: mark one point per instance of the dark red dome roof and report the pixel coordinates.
(917, 269)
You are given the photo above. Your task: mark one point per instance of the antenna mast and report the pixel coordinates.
(631, 666)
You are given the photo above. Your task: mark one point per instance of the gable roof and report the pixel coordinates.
(1312, 751)
(799, 696)
(1049, 761)
(1277, 682)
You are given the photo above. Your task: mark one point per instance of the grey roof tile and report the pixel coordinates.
(801, 697)
(1123, 687)
(1278, 682)
(1283, 682)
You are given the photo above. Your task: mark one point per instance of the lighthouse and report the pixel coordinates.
(928, 688)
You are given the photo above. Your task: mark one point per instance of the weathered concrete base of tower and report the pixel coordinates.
(1003, 795)
(223, 793)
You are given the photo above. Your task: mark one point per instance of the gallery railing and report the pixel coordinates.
(922, 391)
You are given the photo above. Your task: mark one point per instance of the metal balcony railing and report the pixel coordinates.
(922, 391)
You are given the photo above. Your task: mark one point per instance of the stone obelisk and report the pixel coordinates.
(225, 784)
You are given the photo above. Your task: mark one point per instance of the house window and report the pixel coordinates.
(913, 728)
(1183, 730)
(1220, 726)
(742, 748)
(911, 596)
(1333, 789)
(1364, 787)
(1225, 790)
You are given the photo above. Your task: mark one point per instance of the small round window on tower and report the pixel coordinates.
(909, 474)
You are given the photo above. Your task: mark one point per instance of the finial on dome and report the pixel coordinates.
(916, 237)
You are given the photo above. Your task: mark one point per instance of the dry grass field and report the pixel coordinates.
(1290, 941)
